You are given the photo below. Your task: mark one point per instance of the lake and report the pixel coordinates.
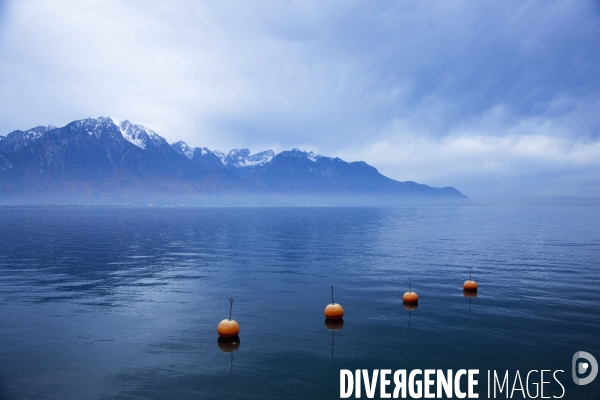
(103, 303)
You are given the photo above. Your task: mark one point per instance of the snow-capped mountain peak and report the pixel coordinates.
(259, 159)
(221, 155)
(202, 151)
(240, 158)
(182, 148)
(33, 133)
(136, 134)
(313, 157)
(113, 156)
(19, 139)
(236, 157)
(302, 154)
(115, 121)
(93, 126)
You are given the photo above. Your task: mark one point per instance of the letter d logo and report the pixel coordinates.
(583, 367)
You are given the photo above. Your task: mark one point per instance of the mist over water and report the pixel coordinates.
(124, 302)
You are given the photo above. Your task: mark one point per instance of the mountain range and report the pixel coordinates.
(110, 161)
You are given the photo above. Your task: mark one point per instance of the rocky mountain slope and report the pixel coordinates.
(112, 160)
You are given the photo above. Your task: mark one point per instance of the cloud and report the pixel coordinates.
(532, 157)
(487, 82)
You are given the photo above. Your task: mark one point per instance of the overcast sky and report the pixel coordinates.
(500, 99)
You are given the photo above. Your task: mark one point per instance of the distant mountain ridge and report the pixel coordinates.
(111, 160)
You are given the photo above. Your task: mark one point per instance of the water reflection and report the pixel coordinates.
(334, 324)
(138, 291)
(229, 344)
(471, 294)
(410, 308)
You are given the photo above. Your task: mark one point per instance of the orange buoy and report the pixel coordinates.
(410, 297)
(333, 310)
(470, 285)
(228, 328)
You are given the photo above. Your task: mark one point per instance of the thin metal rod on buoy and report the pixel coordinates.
(332, 302)
(228, 328)
(410, 297)
(470, 285)
(333, 310)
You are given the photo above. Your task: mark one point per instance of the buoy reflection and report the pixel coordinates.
(470, 294)
(229, 344)
(334, 324)
(410, 308)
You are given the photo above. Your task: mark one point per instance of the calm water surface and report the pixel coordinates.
(102, 303)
